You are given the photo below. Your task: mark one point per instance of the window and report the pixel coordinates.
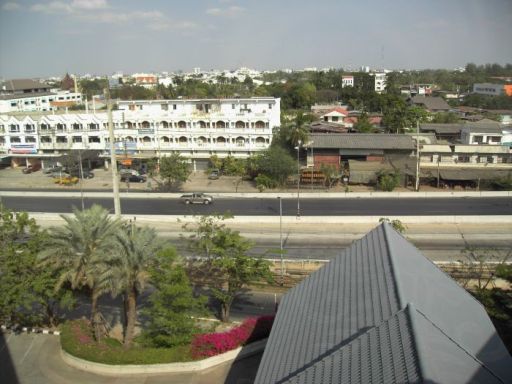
(490, 159)
(199, 107)
(94, 139)
(13, 104)
(478, 139)
(14, 128)
(30, 139)
(164, 107)
(174, 106)
(46, 139)
(77, 139)
(62, 139)
(15, 139)
(463, 159)
(131, 107)
(334, 118)
(270, 106)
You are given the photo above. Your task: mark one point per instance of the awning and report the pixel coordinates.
(473, 174)
(365, 172)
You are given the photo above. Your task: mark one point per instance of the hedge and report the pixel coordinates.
(76, 339)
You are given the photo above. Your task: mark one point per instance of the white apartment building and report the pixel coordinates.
(380, 81)
(38, 101)
(196, 129)
(347, 81)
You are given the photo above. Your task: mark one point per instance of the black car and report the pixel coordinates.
(76, 172)
(133, 178)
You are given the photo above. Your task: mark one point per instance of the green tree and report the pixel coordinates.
(28, 294)
(297, 130)
(229, 267)
(276, 163)
(363, 124)
(445, 118)
(83, 251)
(174, 169)
(168, 313)
(235, 167)
(138, 247)
(331, 173)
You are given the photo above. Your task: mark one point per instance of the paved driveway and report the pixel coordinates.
(35, 358)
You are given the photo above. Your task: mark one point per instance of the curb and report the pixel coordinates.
(445, 219)
(188, 367)
(43, 331)
(267, 195)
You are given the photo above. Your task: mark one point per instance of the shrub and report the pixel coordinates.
(212, 344)
(76, 339)
(265, 182)
(388, 181)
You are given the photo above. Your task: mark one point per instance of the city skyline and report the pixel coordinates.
(41, 38)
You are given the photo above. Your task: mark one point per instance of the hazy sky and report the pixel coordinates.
(46, 37)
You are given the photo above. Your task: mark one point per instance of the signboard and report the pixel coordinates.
(123, 148)
(23, 148)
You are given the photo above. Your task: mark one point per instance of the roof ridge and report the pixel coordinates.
(386, 227)
(412, 309)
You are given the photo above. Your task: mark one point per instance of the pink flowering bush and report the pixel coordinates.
(212, 344)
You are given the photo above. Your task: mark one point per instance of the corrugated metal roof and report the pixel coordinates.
(362, 141)
(345, 323)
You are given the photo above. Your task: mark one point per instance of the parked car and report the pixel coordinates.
(133, 178)
(31, 168)
(128, 171)
(197, 198)
(53, 169)
(76, 172)
(214, 174)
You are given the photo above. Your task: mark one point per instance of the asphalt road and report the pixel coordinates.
(270, 207)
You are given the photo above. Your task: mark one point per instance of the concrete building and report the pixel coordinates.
(347, 81)
(492, 89)
(26, 95)
(380, 81)
(197, 129)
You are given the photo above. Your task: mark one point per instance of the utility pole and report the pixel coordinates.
(417, 185)
(298, 179)
(113, 161)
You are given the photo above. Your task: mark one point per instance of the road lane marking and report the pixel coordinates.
(28, 350)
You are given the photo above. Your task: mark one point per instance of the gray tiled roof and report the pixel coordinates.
(442, 128)
(384, 354)
(22, 84)
(361, 141)
(352, 310)
(485, 125)
(432, 103)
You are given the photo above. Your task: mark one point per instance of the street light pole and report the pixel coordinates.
(298, 178)
(281, 238)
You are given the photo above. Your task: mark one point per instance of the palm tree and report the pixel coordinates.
(84, 250)
(298, 130)
(138, 246)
